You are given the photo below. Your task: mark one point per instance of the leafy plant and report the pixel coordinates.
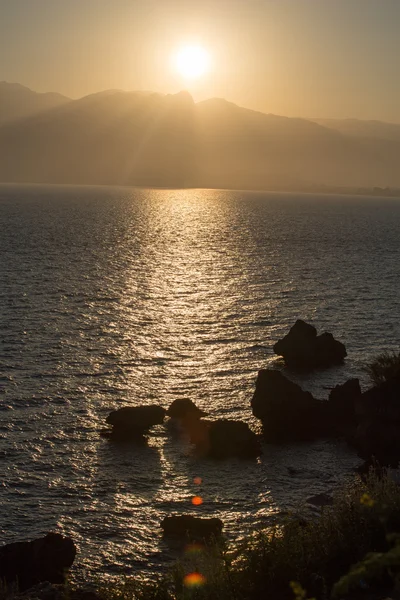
(384, 367)
(346, 547)
(374, 568)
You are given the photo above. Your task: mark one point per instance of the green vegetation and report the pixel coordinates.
(384, 367)
(350, 548)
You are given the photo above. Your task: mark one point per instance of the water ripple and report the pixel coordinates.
(112, 297)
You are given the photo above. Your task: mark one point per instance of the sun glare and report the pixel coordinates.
(192, 62)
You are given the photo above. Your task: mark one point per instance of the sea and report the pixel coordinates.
(115, 296)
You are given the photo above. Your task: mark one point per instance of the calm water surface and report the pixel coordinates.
(112, 297)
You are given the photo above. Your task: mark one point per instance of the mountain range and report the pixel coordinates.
(150, 139)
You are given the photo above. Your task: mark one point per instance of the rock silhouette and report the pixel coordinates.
(58, 591)
(342, 406)
(301, 348)
(286, 411)
(185, 409)
(232, 439)
(224, 439)
(320, 500)
(187, 526)
(132, 422)
(29, 563)
(378, 432)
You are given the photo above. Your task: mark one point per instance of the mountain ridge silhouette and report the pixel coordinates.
(152, 139)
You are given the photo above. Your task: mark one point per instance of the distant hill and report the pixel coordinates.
(17, 102)
(149, 139)
(366, 129)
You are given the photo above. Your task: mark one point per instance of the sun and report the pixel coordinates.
(192, 62)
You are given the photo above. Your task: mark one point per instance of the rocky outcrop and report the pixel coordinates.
(378, 432)
(132, 422)
(198, 430)
(26, 564)
(302, 348)
(232, 439)
(185, 409)
(187, 526)
(286, 411)
(54, 591)
(224, 439)
(342, 405)
(320, 500)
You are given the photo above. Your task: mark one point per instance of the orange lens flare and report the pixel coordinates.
(194, 580)
(194, 549)
(197, 500)
(197, 480)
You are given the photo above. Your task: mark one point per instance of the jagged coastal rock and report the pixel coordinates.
(320, 500)
(58, 591)
(187, 526)
(342, 406)
(302, 348)
(286, 411)
(369, 421)
(378, 416)
(26, 564)
(185, 409)
(132, 422)
(232, 439)
(224, 439)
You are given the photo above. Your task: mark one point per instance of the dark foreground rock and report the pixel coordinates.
(320, 500)
(232, 439)
(52, 591)
(378, 433)
(342, 407)
(301, 348)
(26, 564)
(132, 422)
(184, 409)
(286, 411)
(224, 439)
(187, 526)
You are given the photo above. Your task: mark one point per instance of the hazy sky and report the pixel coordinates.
(320, 58)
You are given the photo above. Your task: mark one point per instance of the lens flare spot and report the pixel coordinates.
(197, 500)
(197, 481)
(194, 580)
(194, 549)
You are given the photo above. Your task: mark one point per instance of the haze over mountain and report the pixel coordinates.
(150, 139)
(17, 101)
(365, 129)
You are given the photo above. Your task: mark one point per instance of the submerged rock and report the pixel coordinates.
(187, 526)
(132, 422)
(286, 411)
(29, 563)
(302, 348)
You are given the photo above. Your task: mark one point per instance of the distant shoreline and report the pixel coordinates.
(376, 192)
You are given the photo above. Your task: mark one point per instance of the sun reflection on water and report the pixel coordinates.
(165, 294)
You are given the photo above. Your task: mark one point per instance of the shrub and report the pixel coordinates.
(384, 367)
(297, 558)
